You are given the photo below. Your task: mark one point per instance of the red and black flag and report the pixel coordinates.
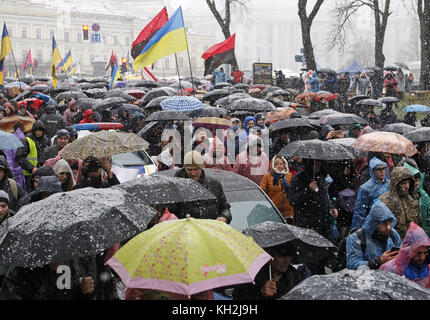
(148, 32)
(219, 54)
(112, 61)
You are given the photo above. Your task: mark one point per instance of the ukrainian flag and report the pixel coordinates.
(115, 76)
(171, 38)
(55, 59)
(6, 47)
(67, 61)
(73, 69)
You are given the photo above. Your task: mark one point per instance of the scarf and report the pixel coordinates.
(284, 183)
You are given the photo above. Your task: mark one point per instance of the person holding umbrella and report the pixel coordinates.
(390, 85)
(410, 118)
(387, 115)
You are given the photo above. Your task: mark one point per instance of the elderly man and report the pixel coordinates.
(193, 169)
(62, 139)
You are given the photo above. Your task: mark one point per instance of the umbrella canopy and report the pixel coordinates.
(388, 100)
(357, 98)
(158, 92)
(102, 144)
(221, 85)
(326, 70)
(39, 88)
(183, 84)
(266, 90)
(316, 149)
(166, 115)
(341, 118)
(113, 102)
(306, 97)
(9, 141)
(71, 224)
(226, 101)
(86, 103)
(326, 96)
(388, 142)
(18, 84)
(391, 68)
(45, 98)
(212, 123)
(243, 86)
(275, 116)
(156, 189)
(136, 93)
(96, 93)
(402, 65)
(418, 135)
(370, 102)
(290, 123)
(216, 94)
(188, 256)
(143, 83)
(322, 113)
(347, 143)
(416, 108)
(358, 285)
(7, 123)
(181, 103)
(85, 86)
(119, 93)
(71, 95)
(208, 111)
(154, 103)
(400, 128)
(23, 95)
(130, 108)
(251, 104)
(311, 246)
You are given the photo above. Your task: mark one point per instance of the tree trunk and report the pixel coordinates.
(424, 16)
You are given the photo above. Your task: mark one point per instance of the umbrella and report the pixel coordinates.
(358, 285)
(181, 103)
(316, 149)
(136, 93)
(357, 98)
(221, 85)
(113, 102)
(283, 114)
(326, 96)
(311, 246)
(388, 142)
(154, 103)
(147, 129)
(391, 68)
(209, 111)
(156, 189)
(241, 113)
(101, 85)
(39, 88)
(45, 98)
(347, 143)
(341, 118)
(86, 103)
(418, 135)
(166, 115)
(266, 90)
(326, 70)
(71, 224)
(85, 86)
(9, 141)
(402, 65)
(216, 94)
(251, 104)
(18, 84)
(243, 86)
(96, 93)
(188, 256)
(399, 128)
(281, 92)
(70, 95)
(388, 100)
(212, 123)
(102, 144)
(130, 108)
(416, 108)
(23, 95)
(322, 113)
(155, 93)
(373, 68)
(290, 123)
(6, 123)
(143, 83)
(183, 84)
(370, 102)
(119, 93)
(230, 98)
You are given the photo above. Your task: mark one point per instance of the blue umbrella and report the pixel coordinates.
(181, 103)
(45, 98)
(416, 108)
(9, 141)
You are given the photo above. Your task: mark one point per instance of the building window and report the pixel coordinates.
(24, 32)
(79, 37)
(166, 63)
(66, 36)
(24, 55)
(38, 33)
(51, 33)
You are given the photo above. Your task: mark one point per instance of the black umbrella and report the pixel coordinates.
(242, 113)
(195, 81)
(156, 189)
(39, 88)
(341, 118)
(242, 86)
(101, 85)
(119, 93)
(373, 68)
(130, 108)
(72, 224)
(400, 128)
(216, 94)
(158, 92)
(266, 90)
(322, 113)
(146, 83)
(347, 143)
(311, 246)
(326, 70)
(154, 103)
(85, 86)
(316, 149)
(418, 135)
(281, 92)
(86, 103)
(23, 95)
(370, 102)
(208, 112)
(41, 78)
(391, 68)
(114, 102)
(71, 95)
(61, 88)
(230, 98)
(166, 115)
(251, 104)
(389, 100)
(355, 99)
(96, 93)
(221, 85)
(358, 285)
(146, 130)
(96, 79)
(290, 123)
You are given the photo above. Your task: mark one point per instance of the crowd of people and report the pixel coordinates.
(376, 207)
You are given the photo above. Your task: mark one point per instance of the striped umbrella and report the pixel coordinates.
(181, 103)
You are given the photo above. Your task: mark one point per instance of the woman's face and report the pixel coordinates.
(279, 165)
(63, 177)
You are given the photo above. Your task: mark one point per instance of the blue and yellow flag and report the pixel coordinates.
(72, 68)
(55, 59)
(115, 76)
(6, 47)
(171, 38)
(66, 62)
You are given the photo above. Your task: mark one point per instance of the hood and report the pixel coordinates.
(4, 163)
(19, 134)
(378, 214)
(426, 164)
(87, 114)
(414, 238)
(63, 166)
(413, 172)
(373, 163)
(43, 171)
(47, 184)
(285, 163)
(398, 174)
(38, 125)
(352, 127)
(247, 119)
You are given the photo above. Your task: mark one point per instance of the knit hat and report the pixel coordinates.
(193, 158)
(63, 133)
(4, 197)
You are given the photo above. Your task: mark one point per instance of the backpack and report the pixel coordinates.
(340, 262)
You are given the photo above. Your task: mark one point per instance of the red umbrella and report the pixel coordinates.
(36, 103)
(258, 86)
(135, 93)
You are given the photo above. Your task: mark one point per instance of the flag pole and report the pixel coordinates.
(179, 76)
(16, 67)
(189, 59)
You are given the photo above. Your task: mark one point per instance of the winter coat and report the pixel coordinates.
(405, 208)
(311, 209)
(330, 84)
(5, 185)
(53, 123)
(355, 258)
(387, 116)
(342, 85)
(410, 118)
(86, 117)
(390, 86)
(401, 85)
(252, 291)
(220, 76)
(368, 193)
(16, 169)
(277, 145)
(68, 115)
(403, 265)
(314, 82)
(49, 153)
(423, 199)
(243, 135)
(205, 211)
(276, 193)
(363, 85)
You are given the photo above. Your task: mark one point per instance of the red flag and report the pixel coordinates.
(219, 54)
(27, 60)
(111, 60)
(35, 64)
(148, 32)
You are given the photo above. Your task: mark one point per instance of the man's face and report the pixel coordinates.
(279, 263)
(379, 173)
(250, 124)
(36, 182)
(260, 122)
(193, 172)
(403, 187)
(3, 209)
(284, 137)
(62, 141)
(38, 133)
(420, 255)
(384, 228)
(356, 132)
(416, 184)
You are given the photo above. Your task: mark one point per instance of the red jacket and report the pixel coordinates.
(86, 117)
(238, 76)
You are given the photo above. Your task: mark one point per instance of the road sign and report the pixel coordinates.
(95, 27)
(95, 38)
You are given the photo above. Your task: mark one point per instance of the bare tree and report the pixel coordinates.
(306, 24)
(225, 21)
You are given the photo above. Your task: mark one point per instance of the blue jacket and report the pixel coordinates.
(219, 76)
(315, 82)
(374, 249)
(414, 271)
(368, 193)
